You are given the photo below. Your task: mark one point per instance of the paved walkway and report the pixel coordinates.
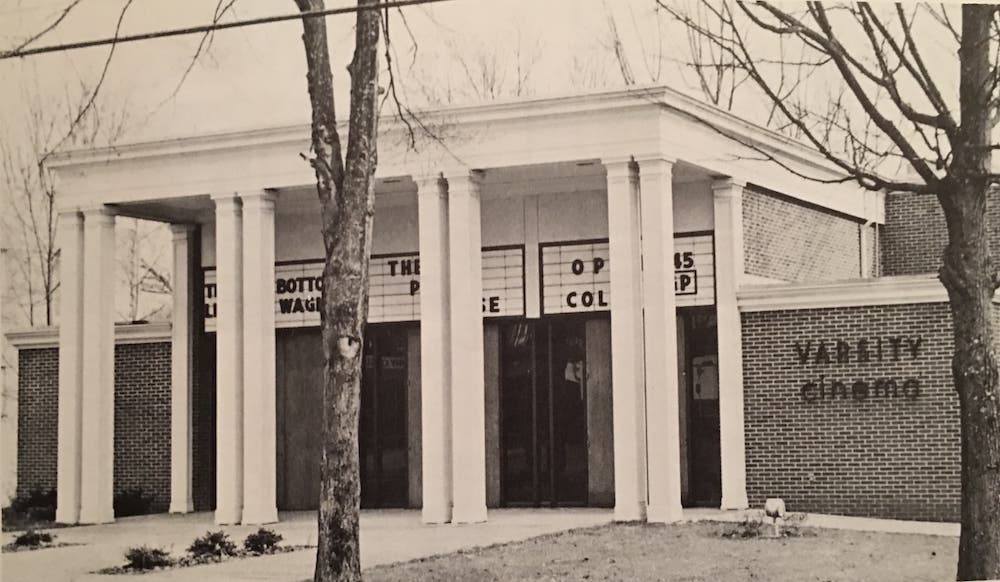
(386, 536)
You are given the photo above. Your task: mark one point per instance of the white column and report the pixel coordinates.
(660, 332)
(628, 402)
(97, 442)
(468, 404)
(182, 368)
(435, 350)
(229, 359)
(259, 405)
(70, 366)
(728, 203)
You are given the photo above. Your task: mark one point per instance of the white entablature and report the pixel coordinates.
(641, 122)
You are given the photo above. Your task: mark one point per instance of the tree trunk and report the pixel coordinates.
(346, 194)
(969, 275)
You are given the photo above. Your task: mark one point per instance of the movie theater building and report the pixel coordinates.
(610, 299)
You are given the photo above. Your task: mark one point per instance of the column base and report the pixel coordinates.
(227, 516)
(630, 512)
(734, 502)
(181, 506)
(435, 515)
(475, 514)
(97, 516)
(260, 516)
(66, 516)
(664, 514)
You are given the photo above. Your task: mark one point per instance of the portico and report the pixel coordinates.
(617, 175)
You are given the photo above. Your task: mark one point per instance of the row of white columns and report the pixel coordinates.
(86, 443)
(452, 384)
(644, 362)
(644, 340)
(644, 344)
(246, 444)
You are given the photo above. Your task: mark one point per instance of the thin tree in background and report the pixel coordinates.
(893, 110)
(345, 185)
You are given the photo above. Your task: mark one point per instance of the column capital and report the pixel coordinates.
(727, 186)
(430, 185)
(99, 214)
(652, 160)
(464, 183)
(227, 201)
(70, 215)
(182, 231)
(620, 168)
(259, 199)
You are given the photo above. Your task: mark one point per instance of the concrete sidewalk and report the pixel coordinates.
(387, 536)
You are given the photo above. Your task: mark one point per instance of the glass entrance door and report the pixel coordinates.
(544, 412)
(382, 430)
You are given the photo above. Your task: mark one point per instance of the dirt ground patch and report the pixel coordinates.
(691, 552)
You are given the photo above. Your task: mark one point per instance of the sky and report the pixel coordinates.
(255, 76)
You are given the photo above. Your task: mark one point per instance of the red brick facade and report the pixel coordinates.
(142, 419)
(826, 443)
(790, 241)
(37, 418)
(915, 233)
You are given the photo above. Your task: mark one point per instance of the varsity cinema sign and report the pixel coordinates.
(576, 276)
(393, 288)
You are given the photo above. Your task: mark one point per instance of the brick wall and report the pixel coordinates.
(787, 240)
(915, 233)
(142, 419)
(882, 456)
(38, 418)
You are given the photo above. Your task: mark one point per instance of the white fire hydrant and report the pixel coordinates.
(775, 509)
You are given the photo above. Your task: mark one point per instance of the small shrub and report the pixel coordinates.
(32, 539)
(37, 504)
(132, 502)
(749, 527)
(147, 558)
(213, 544)
(263, 541)
(758, 526)
(793, 528)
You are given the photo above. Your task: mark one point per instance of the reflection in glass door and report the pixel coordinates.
(544, 412)
(382, 430)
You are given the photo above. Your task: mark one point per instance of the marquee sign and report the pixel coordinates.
(576, 276)
(393, 288)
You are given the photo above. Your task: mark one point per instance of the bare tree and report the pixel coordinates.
(346, 188)
(143, 268)
(892, 108)
(30, 223)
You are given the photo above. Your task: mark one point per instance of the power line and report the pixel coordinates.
(10, 54)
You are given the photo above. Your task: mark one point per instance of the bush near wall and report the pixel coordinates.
(826, 443)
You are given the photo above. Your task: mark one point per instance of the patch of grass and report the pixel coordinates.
(262, 541)
(757, 526)
(142, 558)
(32, 510)
(33, 539)
(129, 502)
(692, 552)
(214, 544)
